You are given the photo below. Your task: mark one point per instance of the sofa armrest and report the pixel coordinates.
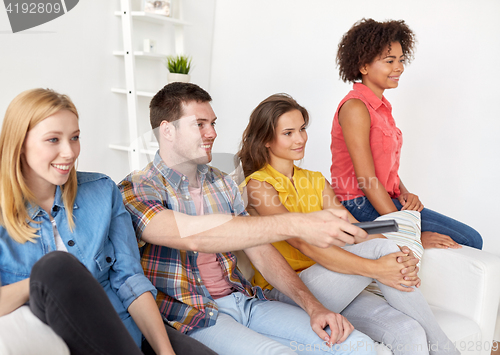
(465, 281)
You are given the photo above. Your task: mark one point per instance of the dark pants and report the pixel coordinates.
(65, 296)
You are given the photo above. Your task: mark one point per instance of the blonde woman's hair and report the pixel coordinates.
(24, 112)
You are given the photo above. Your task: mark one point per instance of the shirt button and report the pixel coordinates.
(186, 197)
(199, 280)
(183, 178)
(71, 243)
(108, 259)
(211, 314)
(195, 252)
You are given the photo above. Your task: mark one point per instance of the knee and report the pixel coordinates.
(381, 247)
(359, 343)
(468, 237)
(475, 240)
(54, 263)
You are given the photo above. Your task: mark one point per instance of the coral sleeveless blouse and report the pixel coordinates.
(386, 141)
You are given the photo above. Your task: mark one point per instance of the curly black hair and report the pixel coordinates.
(366, 40)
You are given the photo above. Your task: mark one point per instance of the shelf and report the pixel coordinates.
(147, 55)
(171, 25)
(126, 148)
(148, 17)
(139, 93)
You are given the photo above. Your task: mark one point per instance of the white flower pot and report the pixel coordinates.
(183, 78)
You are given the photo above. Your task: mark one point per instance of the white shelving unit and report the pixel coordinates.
(130, 55)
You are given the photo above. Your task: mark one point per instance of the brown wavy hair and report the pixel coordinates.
(24, 112)
(366, 40)
(261, 129)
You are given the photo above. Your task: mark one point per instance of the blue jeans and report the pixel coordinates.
(252, 327)
(432, 221)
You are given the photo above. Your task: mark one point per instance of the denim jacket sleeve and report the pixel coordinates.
(126, 275)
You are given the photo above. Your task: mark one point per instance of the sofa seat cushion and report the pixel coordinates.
(457, 327)
(22, 333)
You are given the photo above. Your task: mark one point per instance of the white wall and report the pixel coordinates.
(445, 103)
(73, 55)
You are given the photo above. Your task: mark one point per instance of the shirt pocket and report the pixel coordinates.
(105, 258)
(389, 140)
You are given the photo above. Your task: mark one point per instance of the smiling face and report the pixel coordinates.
(384, 71)
(194, 134)
(50, 150)
(290, 139)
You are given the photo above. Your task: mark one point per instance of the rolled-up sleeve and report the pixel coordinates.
(133, 287)
(143, 202)
(238, 203)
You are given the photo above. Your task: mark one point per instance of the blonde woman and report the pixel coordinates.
(67, 244)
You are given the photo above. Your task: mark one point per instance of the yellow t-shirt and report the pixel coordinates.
(306, 196)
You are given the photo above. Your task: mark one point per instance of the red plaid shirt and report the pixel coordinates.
(182, 297)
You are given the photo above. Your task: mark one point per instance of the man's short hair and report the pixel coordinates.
(166, 105)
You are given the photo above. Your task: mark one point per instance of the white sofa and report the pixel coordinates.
(21, 333)
(462, 286)
(463, 289)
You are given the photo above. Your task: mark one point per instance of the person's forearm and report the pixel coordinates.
(212, 233)
(386, 269)
(337, 259)
(377, 195)
(402, 188)
(14, 296)
(146, 315)
(280, 275)
(222, 233)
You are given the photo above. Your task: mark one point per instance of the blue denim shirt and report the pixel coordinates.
(103, 240)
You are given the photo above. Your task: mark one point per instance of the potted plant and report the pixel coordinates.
(178, 67)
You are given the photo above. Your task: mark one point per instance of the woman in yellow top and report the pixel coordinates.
(274, 138)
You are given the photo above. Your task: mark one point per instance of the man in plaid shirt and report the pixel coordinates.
(188, 218)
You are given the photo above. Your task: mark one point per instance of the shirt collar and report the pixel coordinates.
(276, 172)
(174, 178)
(370, 96)
(34, 209)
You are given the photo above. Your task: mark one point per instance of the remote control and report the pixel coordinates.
(375, 227)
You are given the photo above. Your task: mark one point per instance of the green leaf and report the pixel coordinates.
(180, 64)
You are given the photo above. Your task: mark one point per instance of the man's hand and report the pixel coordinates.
(436, 240)
(339, 325)
(326, 228)
(410, 202)
(389, 271)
